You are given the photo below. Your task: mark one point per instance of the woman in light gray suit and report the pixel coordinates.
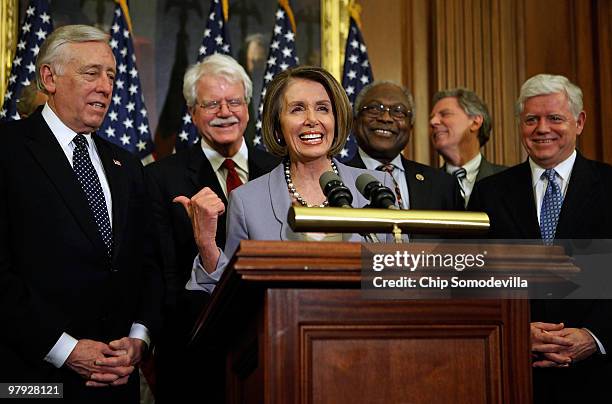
(306, 120)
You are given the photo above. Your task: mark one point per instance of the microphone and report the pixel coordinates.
(379, 195)
(337, 194)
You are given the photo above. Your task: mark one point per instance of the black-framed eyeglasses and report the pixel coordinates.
(213, 107)
(396, 111)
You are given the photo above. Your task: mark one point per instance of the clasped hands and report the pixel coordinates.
(553, 345)
(106, 364)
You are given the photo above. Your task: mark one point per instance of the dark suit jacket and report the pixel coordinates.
(54, 273)
(508, 199)
(487, 169)
(437, 190)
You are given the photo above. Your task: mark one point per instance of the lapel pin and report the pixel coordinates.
(117, 162)
(420, 177)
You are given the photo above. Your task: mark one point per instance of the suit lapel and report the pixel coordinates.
(582, 183)
(119, 187)
(259, 163)
(279, 196)
(419, 191)
(484, 170)
(520, 204)
(200, 173)
(356, 161)
(49, 154)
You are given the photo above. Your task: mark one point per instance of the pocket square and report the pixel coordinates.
(117, 162)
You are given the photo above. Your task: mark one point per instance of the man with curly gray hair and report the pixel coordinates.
(217, 92)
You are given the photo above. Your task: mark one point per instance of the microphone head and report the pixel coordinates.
(379, 195)
(328, 178)
(337, 194)
(362, 183)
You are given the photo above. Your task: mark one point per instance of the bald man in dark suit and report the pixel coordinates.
(382, 122)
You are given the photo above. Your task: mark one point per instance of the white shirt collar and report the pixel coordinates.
(563, 169)
(62, 133)
(471, 168)
(373, 164)
(241, 158)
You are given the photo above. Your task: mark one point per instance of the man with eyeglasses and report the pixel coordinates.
(384, 114)
(217, 92)
(460, 125)
(558, 194)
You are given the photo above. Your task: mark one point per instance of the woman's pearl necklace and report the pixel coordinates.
(294, 193)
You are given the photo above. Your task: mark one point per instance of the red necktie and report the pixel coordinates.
(233, 179)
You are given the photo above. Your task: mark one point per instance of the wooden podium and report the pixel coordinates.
(295, 328)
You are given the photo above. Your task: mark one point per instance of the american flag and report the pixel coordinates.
(126, 123)
(281, 56)
(36, 27)
(356, 75)
(215, 40)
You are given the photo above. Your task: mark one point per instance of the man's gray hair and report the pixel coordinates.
(53, 52)
(544, 84)
(359, 100)
(473, 106)
(216, 65)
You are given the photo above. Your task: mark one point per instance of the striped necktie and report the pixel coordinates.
(460, 174)
(389, 168)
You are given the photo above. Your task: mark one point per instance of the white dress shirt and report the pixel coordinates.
(539, 184)
(471, 170)
(241, 159)
(65, 344)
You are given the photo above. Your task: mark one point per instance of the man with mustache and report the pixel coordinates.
(383, 118)
(217, 92)
(460, 125)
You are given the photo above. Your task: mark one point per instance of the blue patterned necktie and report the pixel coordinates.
(551, 207)
(90, 183)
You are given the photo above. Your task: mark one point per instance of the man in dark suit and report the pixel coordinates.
(460, 125)
(384, 114)
(557, 194)
(217, 92)
(80, 294)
